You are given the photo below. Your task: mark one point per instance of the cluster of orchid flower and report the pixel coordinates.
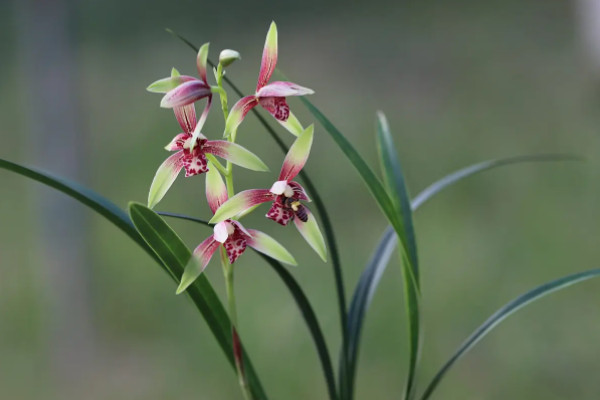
(196, 154)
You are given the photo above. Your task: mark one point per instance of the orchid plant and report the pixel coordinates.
(197, 155)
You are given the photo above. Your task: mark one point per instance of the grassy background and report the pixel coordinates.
(460, 82)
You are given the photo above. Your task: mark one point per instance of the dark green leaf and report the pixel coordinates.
(502, 314)
(371, 275)
(459, 175)
(175, 255)
(112, 213)
(396, 187)
(101, 205)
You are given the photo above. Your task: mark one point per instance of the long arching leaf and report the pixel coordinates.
(175, 256)
(101, 205)
(113, 214)
(396, 187)
(369, 279)
(504, 313)
(303, 304)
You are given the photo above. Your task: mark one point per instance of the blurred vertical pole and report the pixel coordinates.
(588, 14)
(48, 70)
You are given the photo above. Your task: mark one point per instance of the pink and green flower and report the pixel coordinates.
(286, 195)
(271, 96)
(191, 147)
(229, 234)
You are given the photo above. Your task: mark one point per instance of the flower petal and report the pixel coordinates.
(216, 191)
(235, 245)
(299, 192)
(201, 61)
(238, 113)
(236, 154)
(264, 243)
(164, 178)
(167, 84)
(280, 214)
(312, 234)
(283, 89)
(276, 106)
(186, 116)
(292, 125)
(279, 187)
(297, 155)
(178, 142)
(196, 134)
(185, 93)
(197, 262)
(240, 203)
(269, 57)
(221, 231)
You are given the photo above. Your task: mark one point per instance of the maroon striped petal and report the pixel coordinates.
(241, 202)
(238, 113)
(269, 57)
(297, 155)
(205, 250)
(178, 142)
(185, 93)
(186, 116)
(283, 89)
(299, 192)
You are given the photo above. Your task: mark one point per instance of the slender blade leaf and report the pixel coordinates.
(86, 196)
(175, 255)
(113, 214)
(396, 187)
(303, 304)
(502, 314)
(370, 277)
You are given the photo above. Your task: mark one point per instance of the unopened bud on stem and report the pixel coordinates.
(228, 56)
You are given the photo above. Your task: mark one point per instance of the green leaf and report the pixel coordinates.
(504, 313)
(369, 280)
(121, 220)
(88, 197)
(175, 255)
(305, 309)
(396, 186)
(386, 205)
(466, 172)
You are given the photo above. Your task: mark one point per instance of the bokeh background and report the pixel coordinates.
(84, 314)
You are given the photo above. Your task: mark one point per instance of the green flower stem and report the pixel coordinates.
(227, 172)
(228, 273)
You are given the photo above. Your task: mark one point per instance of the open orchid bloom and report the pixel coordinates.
(183, 90)
(230, 234)
(271, 96)
(192, 146)
(285, 194)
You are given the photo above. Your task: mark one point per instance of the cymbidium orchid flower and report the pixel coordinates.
(183, 90)
(230, 234)
(271, 96)
(192, 146)
(285, 194)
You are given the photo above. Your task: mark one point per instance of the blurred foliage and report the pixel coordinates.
(460, 81)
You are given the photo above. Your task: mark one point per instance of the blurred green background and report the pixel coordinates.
(461, 81)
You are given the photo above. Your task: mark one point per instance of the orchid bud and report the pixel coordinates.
(228, 56)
